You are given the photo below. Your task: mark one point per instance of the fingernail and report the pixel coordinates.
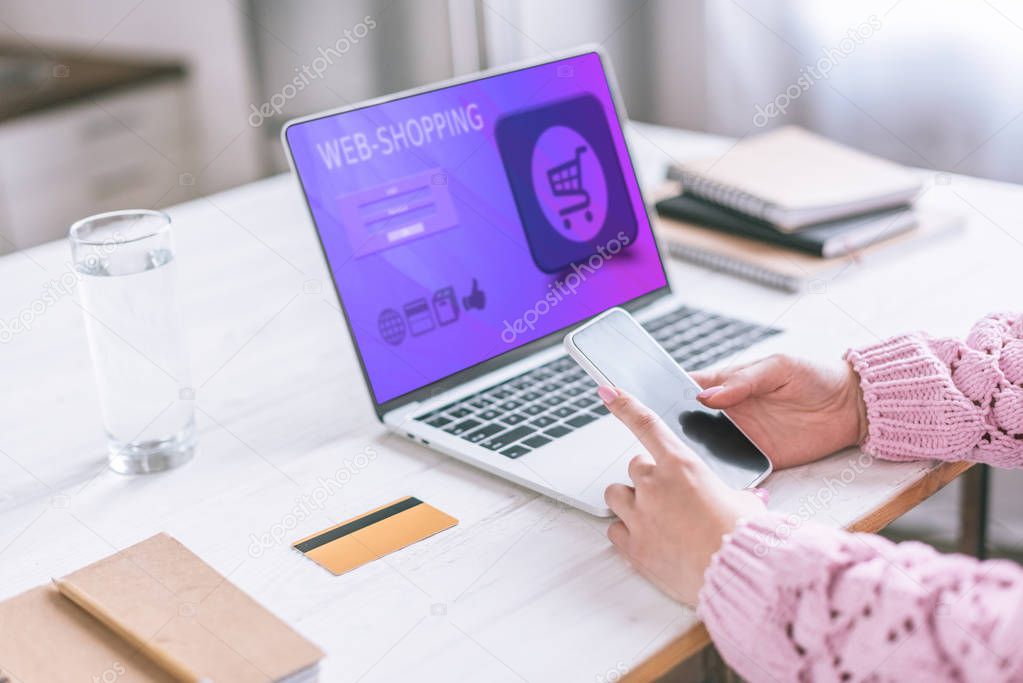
(708, 392)
(607, 394)
(763, 494)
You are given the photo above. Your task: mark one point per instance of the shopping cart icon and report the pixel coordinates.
(564, 170)
(566, 180)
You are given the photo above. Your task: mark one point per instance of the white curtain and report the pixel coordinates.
(933, 84)
(929, 86)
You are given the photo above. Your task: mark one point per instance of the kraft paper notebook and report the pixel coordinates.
(791, 178)
(162, 592)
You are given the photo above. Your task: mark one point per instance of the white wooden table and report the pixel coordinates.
(522, 588)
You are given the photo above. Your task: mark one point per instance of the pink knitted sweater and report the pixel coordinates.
(787, 600)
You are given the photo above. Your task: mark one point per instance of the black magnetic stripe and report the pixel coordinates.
(356, 524)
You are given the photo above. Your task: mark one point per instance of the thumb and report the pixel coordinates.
(757, 379)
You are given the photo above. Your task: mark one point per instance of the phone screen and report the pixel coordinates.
(632, 360)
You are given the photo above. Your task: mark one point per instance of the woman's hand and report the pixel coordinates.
(795, 410)
(673, 518)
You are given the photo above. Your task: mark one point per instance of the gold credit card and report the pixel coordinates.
(372, 535)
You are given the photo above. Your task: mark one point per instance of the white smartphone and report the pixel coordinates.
(616, 351)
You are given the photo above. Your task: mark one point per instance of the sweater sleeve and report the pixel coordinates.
(945, 399)
(786, 600)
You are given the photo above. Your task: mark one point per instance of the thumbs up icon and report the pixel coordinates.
(477, 297)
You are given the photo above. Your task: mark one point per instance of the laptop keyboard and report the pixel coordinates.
(526, 412)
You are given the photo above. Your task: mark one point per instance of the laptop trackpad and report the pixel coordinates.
(586, 461)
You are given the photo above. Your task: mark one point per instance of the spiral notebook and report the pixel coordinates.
(792, 178)
(784, 269)
(827, 240)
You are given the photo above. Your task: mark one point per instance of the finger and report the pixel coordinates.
(708, 377)
(621, 499)
(650, 429)
(757, 379)
(640, 468)
(618, 533)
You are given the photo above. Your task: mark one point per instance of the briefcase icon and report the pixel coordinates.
(445, 306)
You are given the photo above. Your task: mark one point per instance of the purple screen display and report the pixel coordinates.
(461, 223)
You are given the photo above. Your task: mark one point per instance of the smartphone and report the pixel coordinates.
(616, 351)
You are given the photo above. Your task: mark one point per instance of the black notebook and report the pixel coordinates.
(834, 238)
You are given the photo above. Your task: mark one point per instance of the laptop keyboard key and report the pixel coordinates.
(564, 411)
(557, 431)
(534, 409)
(515, 451)
(460, 412)
(580, 420)
(463, 427)
(508, 438)
(438, 421)
(601, 409)
(554, 400)
(490, 414)
(543, 421)
(536, 441)
(483, 433)
(514, 419)
(510, 405)
(584, 402)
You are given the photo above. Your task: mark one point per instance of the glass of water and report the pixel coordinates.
(126, 271)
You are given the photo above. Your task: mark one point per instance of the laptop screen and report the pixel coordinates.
(463, 222)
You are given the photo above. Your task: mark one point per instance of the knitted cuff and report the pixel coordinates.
(914, 410)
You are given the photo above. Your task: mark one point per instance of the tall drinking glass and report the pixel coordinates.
(126, 270)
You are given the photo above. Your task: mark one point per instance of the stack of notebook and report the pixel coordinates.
(783, 206)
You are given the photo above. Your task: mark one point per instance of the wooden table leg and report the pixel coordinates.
(715, 668)
(973, 511)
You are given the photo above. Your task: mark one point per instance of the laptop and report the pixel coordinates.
(467, 226)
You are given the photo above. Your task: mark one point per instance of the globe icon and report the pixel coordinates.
(391, 326)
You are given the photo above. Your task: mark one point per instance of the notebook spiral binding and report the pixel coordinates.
(723, 195)
(734, 266)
